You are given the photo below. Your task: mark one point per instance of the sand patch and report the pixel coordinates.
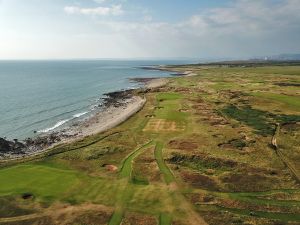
(111, 168)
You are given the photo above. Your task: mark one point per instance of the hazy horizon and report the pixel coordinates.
(141, 29)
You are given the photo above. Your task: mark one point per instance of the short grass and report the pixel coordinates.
(168, 176)
(116, 218)
(169, 107)
(165, 219)
(43, 181)
(291, 102)
(127, 164)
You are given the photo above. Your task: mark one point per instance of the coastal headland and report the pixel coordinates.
(217, 145)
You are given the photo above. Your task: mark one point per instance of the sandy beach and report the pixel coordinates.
(156, 83)
(110, 117)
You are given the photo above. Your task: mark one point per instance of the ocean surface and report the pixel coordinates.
(44, 96)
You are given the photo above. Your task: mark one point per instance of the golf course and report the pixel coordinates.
(220, 145)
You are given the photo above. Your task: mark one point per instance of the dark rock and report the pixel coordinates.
(117, 98)
(26, 196)
(11, 146)
(283, 84)
(29, 141)
(142, 80)
(19, 146)
(5, 145)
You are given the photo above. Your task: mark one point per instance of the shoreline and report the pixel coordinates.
(110, 117)
(118, 107)
(173, 72)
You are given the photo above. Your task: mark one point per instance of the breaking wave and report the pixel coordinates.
(62, 122)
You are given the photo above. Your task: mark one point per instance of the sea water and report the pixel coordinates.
(44, 96)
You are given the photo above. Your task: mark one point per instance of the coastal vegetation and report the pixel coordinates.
(217, 146)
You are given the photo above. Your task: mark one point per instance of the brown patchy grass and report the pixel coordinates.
(162, 125)
(59, 214)
(145, 167)
(198, 180)
(139, 219)
(183, 144)
(236, 204)
(200, 198)
(249, 182)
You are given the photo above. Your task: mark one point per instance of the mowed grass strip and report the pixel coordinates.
(117, 217)
(168, 176)
(259, 198)
(43, 181)
(165, 219)
(127, 164)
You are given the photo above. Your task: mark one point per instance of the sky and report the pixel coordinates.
(70, 29)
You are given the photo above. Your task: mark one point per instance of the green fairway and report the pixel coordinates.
(169, 107)
(168, 176)
(43, 181)
(127, 164)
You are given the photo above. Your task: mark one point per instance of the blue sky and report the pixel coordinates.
(58, 29)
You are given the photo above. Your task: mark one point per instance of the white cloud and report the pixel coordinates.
(114, 10)
(99, 1)
(148, 18)
(242, 28)
(246, 27)
(248, 16)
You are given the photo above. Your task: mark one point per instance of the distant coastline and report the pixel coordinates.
(49, 95)
(117, 108)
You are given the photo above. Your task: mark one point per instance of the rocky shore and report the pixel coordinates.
(116, 108)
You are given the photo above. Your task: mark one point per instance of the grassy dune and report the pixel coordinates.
(199, 150)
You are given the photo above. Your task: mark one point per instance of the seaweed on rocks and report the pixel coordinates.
(30, 145)
(143, 80)
(117, 98)
(14, 147)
